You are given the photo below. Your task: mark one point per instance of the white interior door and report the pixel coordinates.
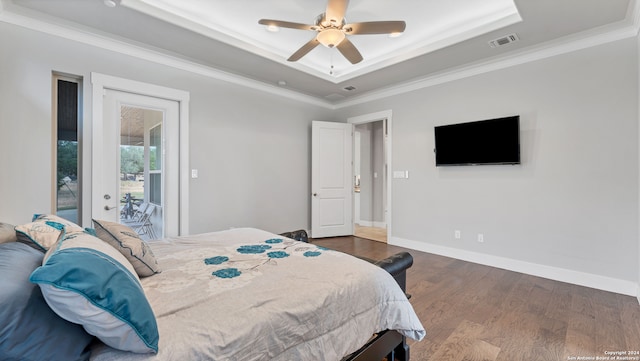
(158, 137)
(331, 179)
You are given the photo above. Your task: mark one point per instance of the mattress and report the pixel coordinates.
(247, 294)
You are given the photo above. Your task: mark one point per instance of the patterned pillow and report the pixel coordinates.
(40, 235)
(86, 281)
(7, 233)
(127, 241)
(29, 329)
(68, 225)
(45, 230)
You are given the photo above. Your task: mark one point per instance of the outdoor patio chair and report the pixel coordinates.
(138, 213)
(143, 225)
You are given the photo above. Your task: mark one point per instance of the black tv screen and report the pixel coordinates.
(492, 141)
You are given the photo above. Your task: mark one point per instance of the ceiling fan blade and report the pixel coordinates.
(304, 50)
(285, 24)
(335, 11)
(375, 27)
(349, 51)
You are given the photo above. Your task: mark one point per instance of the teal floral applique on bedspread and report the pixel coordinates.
(278, 254)
(277, 247)
(216, 260)
(227, 273)
(253, 249)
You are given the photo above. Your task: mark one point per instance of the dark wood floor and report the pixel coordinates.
(473, 312)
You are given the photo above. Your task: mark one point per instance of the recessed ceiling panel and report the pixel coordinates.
(431, 25)
(442, 36)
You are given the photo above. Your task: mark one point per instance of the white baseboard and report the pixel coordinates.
(554, 273)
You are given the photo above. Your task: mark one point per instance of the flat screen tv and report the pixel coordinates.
(492, 141)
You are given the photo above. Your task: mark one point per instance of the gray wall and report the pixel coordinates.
(571, 204)
(252, 149)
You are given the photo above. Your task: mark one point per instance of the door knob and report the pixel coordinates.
(315, 194)
(107, 208)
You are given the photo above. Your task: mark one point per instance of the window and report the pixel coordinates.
(67, 117)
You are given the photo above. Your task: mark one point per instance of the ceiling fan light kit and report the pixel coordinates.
(330, 37)
(332, 31)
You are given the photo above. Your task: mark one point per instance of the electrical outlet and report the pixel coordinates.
(480, 237)
(456, 234)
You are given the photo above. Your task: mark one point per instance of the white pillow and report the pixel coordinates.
(86, 281)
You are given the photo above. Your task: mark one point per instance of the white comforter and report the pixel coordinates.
(246, 294)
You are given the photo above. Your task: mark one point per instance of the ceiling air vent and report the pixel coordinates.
(349, 88)
(508, 39)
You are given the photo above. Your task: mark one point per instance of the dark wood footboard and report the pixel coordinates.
(387, 344)
(397, 265)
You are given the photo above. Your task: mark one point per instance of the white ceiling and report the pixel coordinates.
(224, 35)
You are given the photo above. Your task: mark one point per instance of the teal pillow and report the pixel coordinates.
(29, 329)
(86, 281)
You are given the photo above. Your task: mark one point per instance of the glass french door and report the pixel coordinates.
(135, 176)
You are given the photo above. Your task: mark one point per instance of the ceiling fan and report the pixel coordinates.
(332, 31)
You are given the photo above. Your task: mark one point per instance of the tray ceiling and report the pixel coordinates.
(225, 36)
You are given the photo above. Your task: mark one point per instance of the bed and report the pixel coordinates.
(247, 294)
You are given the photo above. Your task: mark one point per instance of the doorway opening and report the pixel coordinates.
(371, 178)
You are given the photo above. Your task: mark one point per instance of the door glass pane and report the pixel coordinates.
(140, 174)
(155, 140)
(155, 165)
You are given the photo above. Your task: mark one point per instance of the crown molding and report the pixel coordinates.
(627, 28)
(584, 40)
(437, 42)
(633, 14)
(26, 19)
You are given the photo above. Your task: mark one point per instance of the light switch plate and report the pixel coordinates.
(400, 174)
